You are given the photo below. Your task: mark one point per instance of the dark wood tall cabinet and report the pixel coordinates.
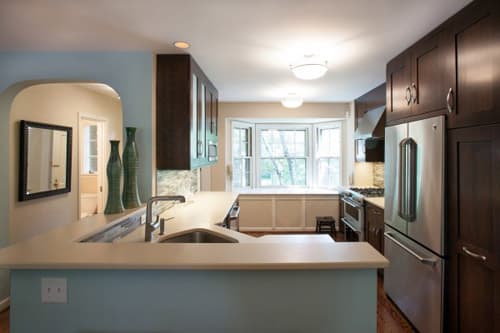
(186, 114)
(474, 229)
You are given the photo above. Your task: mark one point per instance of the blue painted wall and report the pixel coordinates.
(198, 301)
(129, 73)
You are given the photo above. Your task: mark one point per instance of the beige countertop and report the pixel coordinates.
(376, 201)
(288, 191)
(59, 249)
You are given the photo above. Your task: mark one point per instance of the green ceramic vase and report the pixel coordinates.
(130, 167)
(114, 203)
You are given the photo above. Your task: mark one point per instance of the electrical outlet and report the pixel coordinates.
(54, 290)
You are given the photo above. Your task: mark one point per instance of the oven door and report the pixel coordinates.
(353, 216)
(350, 233)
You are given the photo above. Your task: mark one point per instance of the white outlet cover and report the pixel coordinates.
(54, 290)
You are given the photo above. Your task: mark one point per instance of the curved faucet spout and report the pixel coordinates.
(151, 226)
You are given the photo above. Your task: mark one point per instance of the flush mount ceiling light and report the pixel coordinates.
(292, 101)
(182, 45)
(310, 68)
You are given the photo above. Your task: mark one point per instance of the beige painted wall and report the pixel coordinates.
(58, 104)
(363, 174)
(229, 111)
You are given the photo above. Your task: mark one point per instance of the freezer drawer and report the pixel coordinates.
(414, 281)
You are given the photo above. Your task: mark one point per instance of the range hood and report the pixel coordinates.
(371, 124)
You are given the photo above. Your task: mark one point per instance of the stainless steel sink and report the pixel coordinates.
(197, 236)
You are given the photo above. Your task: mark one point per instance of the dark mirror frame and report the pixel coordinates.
(23, 160)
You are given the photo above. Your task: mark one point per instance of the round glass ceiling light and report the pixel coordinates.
(182, 45)
(310, 68)
(292, 101)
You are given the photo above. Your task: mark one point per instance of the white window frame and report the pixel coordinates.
(308, 156)
(244, 125)
(312, 145)
(317, 128)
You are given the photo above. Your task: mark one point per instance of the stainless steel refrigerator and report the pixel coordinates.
(414, 220)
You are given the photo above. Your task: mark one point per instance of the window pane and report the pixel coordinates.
(328, 172)
(241, 146)
(283, 172)
(283, 143)
(90, 149)
(241, 173)
(241, 142)
(329, 142)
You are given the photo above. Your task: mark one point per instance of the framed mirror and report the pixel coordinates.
(45, 160)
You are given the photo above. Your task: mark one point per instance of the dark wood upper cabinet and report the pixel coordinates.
(373, 99)
(474, 229)
(432, 73)
(398, 91)
(186, 111)
(418, 79)
(454, 70)
(475, 33)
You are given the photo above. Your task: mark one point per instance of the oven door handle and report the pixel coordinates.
(343, 219)
(430, 261)
(351, 202)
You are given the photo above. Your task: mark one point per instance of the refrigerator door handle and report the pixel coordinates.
(412, 179)
(402, 180)
(429, 261)
(407, 179)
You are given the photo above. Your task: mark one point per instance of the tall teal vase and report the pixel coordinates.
(130, 166)
(114, 171)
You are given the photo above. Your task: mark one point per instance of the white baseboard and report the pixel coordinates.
(4, 304)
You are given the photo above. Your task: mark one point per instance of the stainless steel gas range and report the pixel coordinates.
(353, 205)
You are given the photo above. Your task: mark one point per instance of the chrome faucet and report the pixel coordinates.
(152, 226)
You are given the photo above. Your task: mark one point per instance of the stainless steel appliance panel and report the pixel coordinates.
(427, 226)
(354, 216)
(393, 136)
(414, 281)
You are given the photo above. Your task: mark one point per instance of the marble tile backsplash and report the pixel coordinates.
(378, 174)
(183, 182)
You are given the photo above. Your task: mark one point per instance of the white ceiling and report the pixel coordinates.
(245, 47)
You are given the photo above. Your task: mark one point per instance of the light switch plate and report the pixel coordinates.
(54, 290)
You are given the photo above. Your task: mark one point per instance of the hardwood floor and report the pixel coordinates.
(4, 321)
(389, 319)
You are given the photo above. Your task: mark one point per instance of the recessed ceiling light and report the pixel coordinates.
(292, 101)
(182, 45)
(310, 68)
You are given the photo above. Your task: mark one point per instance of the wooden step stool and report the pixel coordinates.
(325, 224)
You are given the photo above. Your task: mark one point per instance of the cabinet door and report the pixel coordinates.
(474, 229)
(201, 121)
(194, 118)
(432, 73)
(398, 89)
(370, 227)
(476, 34)
(375, 227)
(208, 111)
(215, 112)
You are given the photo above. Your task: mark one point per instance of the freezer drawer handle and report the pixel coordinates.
(473, 255)
(410, 251)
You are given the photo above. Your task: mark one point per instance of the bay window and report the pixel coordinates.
(286, 155)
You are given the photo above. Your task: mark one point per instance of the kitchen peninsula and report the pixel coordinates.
(254, 284)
